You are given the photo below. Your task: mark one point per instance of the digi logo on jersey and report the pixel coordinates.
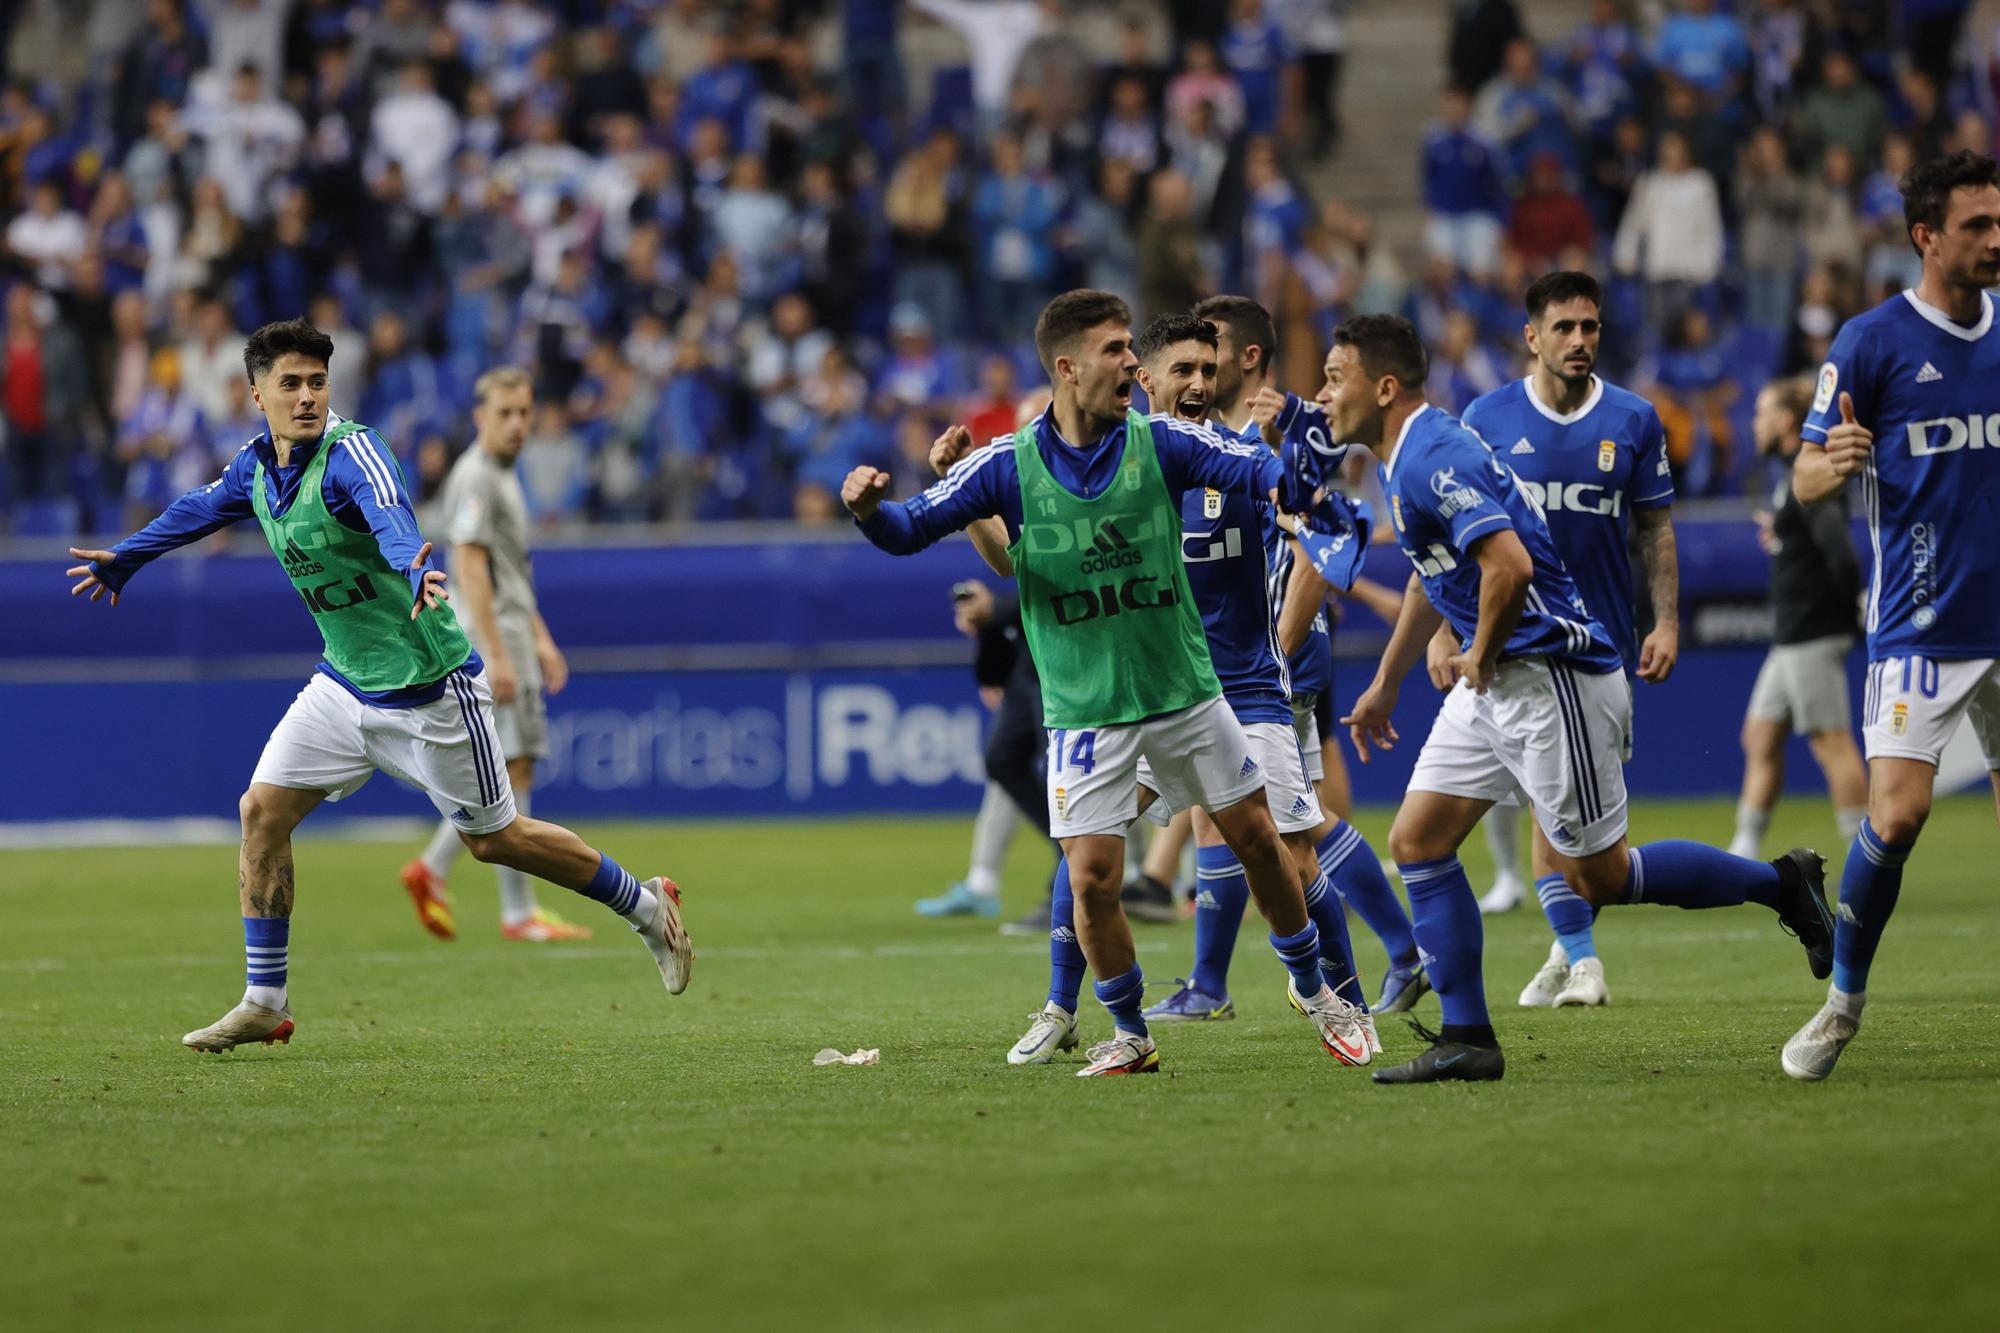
(324, 598)
(1223, 545)
(1580, 497)
(1104, 545)
(1947, 435)
(1135, 594)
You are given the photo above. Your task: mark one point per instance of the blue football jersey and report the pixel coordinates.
(1311, 667)
(1929, 391)
(1588, 470)
(1446, 490)
(1222, 543)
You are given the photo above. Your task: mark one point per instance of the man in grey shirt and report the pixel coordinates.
(484, 516)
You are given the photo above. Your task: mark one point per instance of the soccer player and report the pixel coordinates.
(1906, 402)
(1815, 592)
(399, 689)
(1541, 705)
(1593, 457)
(485, 516)
(1245, 620)
(1089, 494)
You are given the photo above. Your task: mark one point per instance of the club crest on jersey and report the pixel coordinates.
(1211, 503)
(1607, 455)
(1899, 720)
(1829, 380)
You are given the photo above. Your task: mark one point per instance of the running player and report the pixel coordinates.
(1089, 495)
(485, 516)
(1815, 592)
(1906, 401)
(1540, 707)
(1594, 457)
(400, 689)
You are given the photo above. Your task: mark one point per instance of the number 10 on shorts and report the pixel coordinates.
(1072, 751)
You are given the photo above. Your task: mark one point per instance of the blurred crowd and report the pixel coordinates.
(1730, 167)
(745, 246)
(741, 246)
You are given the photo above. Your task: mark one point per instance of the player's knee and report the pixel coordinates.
(1898, 822)
(261, 816)
(490, 847)
(1409, 845)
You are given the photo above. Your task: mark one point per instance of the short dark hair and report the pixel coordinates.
(1167, 330)
(1560, 288)
(1248, 322)
(1927, 187)
(284, 337)
(1386, 345)
(1064, 320)
(1794, 394)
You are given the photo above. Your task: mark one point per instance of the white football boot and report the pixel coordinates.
(1508, 892)
(1345, 1030)
(667, 937)
(1125, 1053)
(1051, 1029)
(1810, 1055)
(1548, 983)
(242, 1025)
(1585, 985)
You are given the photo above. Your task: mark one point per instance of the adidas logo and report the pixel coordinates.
(1299, 805)
(461, 815)
(1249, 767)
(1929, 374)
(1063, 935)
(1846, 913)
(1205, 901)
(1521, 446)
(1109, 549)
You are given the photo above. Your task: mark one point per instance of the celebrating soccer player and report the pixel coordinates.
(1592, 455)
(1090, 495)
(1540, 706)
(485, 517)
(1906, 402)
(399, 689)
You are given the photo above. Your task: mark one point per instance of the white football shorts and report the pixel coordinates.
(1198, 756)
(1543, 732)
(1305, 723)
(330, 741)
(1275, 747)
(1914, 704)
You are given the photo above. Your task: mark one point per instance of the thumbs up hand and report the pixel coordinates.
(1848, 441)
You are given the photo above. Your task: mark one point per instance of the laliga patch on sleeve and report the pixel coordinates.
(1829, 380)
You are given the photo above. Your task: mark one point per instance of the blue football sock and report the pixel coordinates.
(267, 958)
(1336, 949)
(1570, 917)
(1356, 872)
(1445, 916)
(1221, 894)
(1123, 996)
(1066, 965)
(1869, 885)
(614, 886)
(1300, 955)
(1678, 873)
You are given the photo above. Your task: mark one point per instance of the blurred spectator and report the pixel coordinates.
(1891, 264)
(1203, 80)
(1832, 234)
(926, 209)
(1524, 111)
(119, 235)
(1615, 169)
(1844, 110)
(417, 131)
(1100, 237)
(1198, 150)
(159, 443)
(1705, 47)
(1255, 49)
(1671, 234)
(555, 470)
(1602, 69)
(1317, 32)
(44, 385)
(159, 65)
(1770, 206)
(917, 370)
(1462, 368)
(753, 223)
(1480, 33)
(1549, 218)
(1131, 130)
(1690, 385)
(211, 359)
(1172, 274)
(1013, 213)
(1464, 190)
(990, 415)
(251, 137)
(48, 237)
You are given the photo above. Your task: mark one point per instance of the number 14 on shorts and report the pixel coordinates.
(1072, 751)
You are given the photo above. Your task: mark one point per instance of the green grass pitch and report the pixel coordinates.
(487, 1136)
